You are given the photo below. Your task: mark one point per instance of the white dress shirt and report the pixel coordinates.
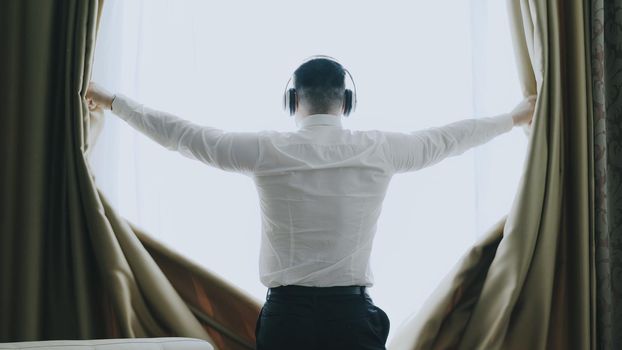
(320, 188)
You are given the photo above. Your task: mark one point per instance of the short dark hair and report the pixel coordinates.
(321, 82)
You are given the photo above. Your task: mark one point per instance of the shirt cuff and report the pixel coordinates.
(506, 121)
(123, 106)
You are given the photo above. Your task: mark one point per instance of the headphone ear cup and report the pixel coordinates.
(291, 101)
(347, 103)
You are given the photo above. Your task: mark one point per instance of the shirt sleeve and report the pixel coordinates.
(230, 151)
(423, 148)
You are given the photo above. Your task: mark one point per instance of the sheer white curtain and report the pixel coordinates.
(225, 64)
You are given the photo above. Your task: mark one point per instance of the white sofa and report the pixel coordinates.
(114, 344)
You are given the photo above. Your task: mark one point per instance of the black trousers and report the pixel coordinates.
(301, 322)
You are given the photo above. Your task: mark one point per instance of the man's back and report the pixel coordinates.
(321, 191)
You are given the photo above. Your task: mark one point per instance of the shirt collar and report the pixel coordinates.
(318, 119)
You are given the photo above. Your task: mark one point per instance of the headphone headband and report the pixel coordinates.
(350, 99)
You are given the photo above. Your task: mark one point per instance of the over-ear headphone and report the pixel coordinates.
(349, 98)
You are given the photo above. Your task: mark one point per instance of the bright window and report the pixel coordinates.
(225, 64)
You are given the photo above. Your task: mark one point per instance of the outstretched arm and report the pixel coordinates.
(231, 151)
(420, 149)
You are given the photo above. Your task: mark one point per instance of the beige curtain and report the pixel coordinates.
(529, 284)
(70, 267)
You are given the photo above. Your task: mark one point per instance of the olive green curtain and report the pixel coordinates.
(70, 267)
(530, 282)
(48, 272)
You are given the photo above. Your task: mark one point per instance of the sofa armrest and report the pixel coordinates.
(114, 344)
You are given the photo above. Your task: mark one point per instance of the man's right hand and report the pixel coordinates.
(97, 96)
(523, 112)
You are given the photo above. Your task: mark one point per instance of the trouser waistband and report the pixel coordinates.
(304, 290)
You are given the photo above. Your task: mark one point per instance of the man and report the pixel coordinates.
(321, 190)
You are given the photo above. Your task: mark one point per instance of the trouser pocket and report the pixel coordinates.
(385, 324)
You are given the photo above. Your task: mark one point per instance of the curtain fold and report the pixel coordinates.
(228, 313)
(152, 284)
(530, 283)
(70, 266)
